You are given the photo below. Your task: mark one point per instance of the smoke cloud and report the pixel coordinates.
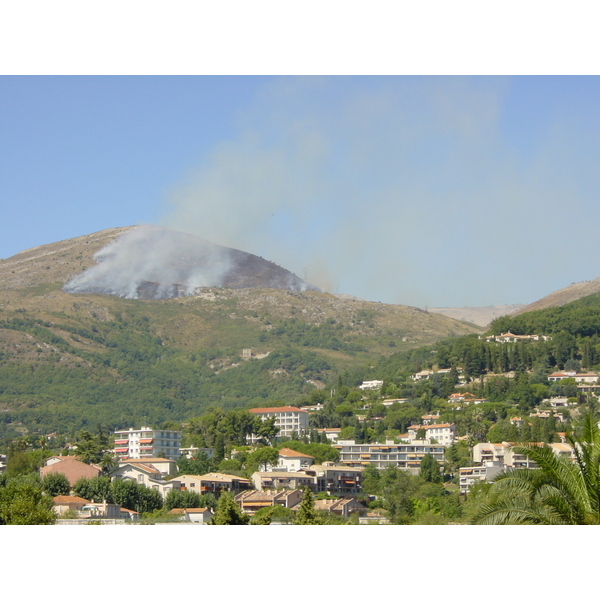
(150, 262)
(405, 189)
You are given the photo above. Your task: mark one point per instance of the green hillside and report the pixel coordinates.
(69, 361)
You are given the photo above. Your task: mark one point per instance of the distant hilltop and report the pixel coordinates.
(144, 262)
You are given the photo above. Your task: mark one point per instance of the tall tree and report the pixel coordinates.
(430, 469)
(228, 512)
(56, 484)
(306, 514)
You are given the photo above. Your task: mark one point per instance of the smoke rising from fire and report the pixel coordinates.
(153, 263)
(406, 190)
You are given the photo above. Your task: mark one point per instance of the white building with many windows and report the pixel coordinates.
(146, 443)
(289, 419)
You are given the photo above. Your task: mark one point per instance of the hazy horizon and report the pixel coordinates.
(427, 191)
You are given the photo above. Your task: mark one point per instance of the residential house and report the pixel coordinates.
(213, 483)
(589, 378)
(559, 375)
(147, 475)
(165, 466)
(192, 452)
(557, 401)
(289, 419)
(341, 506)
(429, 419)
(392, 401)
(331, 433)
(62, 504)
(202, 516)
(546, 414)
(84, 509)
(252, 500)
(274, 480)
(425, 374)
(375, 384)
(72, 468)
(290, 460)
(509, 337)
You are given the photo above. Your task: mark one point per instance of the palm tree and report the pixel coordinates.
(559, 492)
(108, 463)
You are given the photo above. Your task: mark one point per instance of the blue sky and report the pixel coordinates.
(429, 191)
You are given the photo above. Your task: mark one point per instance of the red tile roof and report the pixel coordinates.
(289, 453)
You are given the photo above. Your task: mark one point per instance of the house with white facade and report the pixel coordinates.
(290, 460)
(331, 433)
(146, 475)
(201, 516)
(375, 384)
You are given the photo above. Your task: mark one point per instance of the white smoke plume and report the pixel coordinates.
(407, 190)
(154, 262)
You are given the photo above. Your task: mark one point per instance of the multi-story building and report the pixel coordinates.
(147, 443)
(442, 433)
(401, 456)
(289, 419)
(505, 454)
(468, 476)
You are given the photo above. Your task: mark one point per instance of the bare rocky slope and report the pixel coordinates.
(482, 315)
(563, 296)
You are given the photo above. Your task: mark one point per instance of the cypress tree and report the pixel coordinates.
(306, 515)
(228, 512)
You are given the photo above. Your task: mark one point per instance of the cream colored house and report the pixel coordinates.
(147, 475)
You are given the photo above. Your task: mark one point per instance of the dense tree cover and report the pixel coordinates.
(126, 374)
(330, 335)
(429, 469)
(125, 492)
(579, 318)
(23, 501)
(56, 484)
(189, 499)
(410, 499)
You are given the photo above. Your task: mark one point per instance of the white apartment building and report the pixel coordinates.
(402, 456)
(147, 443)
(289, 419)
